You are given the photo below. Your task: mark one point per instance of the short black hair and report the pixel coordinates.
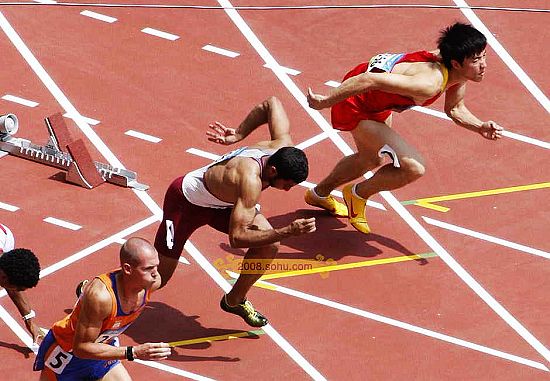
(21, 267)
(291, 164)
(460, 41)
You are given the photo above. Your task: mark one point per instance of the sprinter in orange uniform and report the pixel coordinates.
(84, 345)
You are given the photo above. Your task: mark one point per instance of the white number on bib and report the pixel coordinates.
(169, 234)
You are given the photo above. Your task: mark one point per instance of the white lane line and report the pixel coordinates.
(311, 141)
(62, 223)
(503, 54)
(305, 184)
(287, 70)
(223, 52)
(268, 329)
(140, 135)
(46, 1)
(508, 134)
(17, 329)
(201, 153)
(397, 323)
(160, 33)
(173, 370)
(526, 139)
(90, 121)
(8, 207)
(120, 241)
(486, 237)
(98, 16)
(21, 101)
(184, 261)
(388, 197)
(332, 83)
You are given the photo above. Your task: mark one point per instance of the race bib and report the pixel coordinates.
(384, 61)
(58, 360)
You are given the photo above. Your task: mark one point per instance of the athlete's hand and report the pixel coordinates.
(490, 130)
(35, 330)
(222, 135)
(302, 226)
(152, 351)
(315, 101)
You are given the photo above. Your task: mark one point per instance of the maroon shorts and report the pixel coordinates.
(181, 218)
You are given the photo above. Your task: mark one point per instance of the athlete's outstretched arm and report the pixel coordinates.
(242, 230)
(459, 113)
(422, 85)
(270, 111)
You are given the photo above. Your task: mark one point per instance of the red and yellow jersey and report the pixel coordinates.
(113, 325)
(375, 104)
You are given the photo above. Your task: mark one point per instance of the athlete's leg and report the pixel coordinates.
(371, 136)
(180, 220)
(353, 166)
(117, 373)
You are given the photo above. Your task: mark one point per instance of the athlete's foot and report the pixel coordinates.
(356, 207)
(246, 311)
(328, 203)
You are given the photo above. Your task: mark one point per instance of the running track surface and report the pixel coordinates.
(474, 307)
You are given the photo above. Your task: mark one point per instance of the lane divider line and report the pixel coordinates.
(397, 323)
(98, 16)
(221, 51)
(21, 101)
(160, 33)
(486, 237)
(142, 136)
(62, 223)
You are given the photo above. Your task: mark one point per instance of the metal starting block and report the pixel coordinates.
(68, 154)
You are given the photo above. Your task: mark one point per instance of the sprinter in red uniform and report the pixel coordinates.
(364, 102)
(84, 345)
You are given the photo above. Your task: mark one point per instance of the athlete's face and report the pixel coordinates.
(281, 184)
(146, 272)
(473, 68)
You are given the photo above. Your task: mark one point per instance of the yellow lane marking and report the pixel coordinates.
(429, 202)
(346, 266)
(230, 336)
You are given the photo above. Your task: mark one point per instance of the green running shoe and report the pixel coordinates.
(246, 311)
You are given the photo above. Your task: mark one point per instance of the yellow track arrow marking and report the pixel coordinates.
(429, 202)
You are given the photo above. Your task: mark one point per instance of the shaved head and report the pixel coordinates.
(134, 250)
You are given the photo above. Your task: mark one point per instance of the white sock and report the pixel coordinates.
(353, 192)
(316, 195)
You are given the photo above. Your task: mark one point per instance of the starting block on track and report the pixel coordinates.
(64, 152)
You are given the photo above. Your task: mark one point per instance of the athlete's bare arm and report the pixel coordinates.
(420, 86)
(24, 307)
(242, 230)
(459, 113)
(270, 111)
(96, 307)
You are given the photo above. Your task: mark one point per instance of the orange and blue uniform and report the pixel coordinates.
(55, 352)
(375, 104)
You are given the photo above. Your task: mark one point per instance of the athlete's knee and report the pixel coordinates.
(412, 168)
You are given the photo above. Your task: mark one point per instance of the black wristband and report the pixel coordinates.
(130, 353)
